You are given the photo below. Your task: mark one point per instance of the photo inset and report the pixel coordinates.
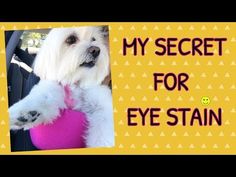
(59, 88)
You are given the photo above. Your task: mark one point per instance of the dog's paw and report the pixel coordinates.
(24, 120)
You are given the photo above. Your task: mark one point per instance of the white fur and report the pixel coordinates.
(58, 64)
(47, 98)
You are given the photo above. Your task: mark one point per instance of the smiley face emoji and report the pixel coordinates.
(205, 100)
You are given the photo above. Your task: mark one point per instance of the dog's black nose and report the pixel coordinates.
(94, 51)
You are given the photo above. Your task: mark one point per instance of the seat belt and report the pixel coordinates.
(11, 46)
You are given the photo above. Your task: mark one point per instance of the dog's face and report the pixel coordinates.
(74, 56)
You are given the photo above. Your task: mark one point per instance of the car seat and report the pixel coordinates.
(20, 82)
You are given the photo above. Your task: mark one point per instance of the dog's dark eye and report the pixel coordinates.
(71, 39)
(93, 39)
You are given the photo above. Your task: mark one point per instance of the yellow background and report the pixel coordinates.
(132, 80)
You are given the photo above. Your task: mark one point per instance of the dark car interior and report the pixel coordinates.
(20, 82)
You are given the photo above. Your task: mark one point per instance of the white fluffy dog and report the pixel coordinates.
(78, 58)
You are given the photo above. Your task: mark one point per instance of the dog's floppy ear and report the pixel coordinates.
(46, 59)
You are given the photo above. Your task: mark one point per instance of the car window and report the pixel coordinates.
(32, 41)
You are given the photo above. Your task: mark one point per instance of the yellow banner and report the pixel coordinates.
(173, 88)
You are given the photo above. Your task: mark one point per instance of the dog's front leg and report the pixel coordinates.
(41, 106)
(96, 103)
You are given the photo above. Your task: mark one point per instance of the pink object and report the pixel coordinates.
(67, 131)
(68, 100)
